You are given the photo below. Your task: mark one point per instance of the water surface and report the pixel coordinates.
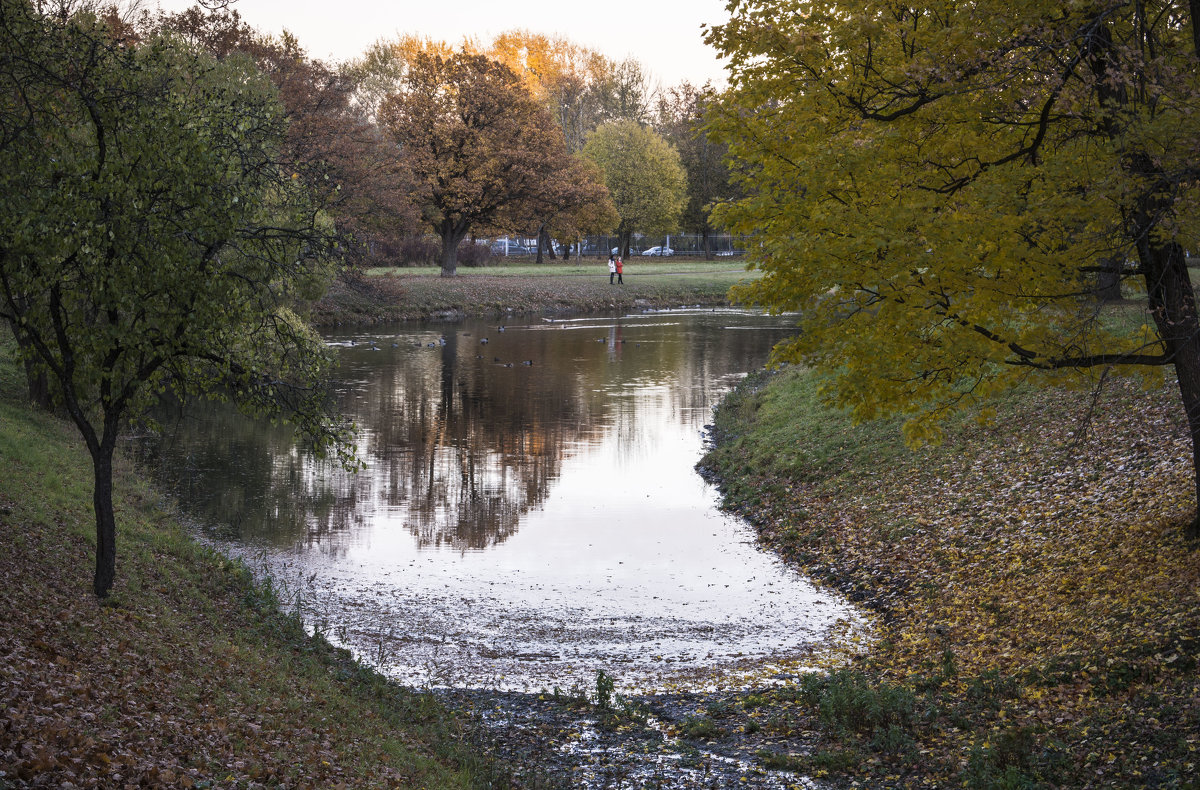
(529, 513)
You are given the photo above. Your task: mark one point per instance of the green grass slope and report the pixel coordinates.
(188, 676)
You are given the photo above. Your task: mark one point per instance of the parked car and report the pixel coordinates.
(659, 251)
(617, 251)
(498, 248)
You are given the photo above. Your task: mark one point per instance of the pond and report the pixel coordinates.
(529, 512)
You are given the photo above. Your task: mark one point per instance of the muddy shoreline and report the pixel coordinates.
(664, 741)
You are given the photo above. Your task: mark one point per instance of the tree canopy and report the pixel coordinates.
(563, 76)
(644, 175)
(332, 141)
(682, 118)
(149, 236)
(935, 187)
(486, 156)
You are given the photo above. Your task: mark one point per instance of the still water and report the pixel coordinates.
(529, 513)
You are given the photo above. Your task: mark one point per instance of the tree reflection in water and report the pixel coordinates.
(461, 438)
(528, 512)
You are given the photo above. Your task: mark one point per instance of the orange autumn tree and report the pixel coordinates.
(485, 155)
(565, 77)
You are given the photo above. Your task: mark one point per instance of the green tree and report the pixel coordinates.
(644, 176)
(485, 155)
(934, 187)
(148, 237)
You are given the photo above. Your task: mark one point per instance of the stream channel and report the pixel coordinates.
(529, 513)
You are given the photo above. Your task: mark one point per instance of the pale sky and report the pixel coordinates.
(665, 36)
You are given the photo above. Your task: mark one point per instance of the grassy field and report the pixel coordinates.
(400, 294)
(585, 267)
(189, 675)
(1037, 606)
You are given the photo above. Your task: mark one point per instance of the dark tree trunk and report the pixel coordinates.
(1194, 11)
(707, 241)
(39, 386)
(1172, 299)
(452, 236)
(36, 380)
(626, 238)
(541, 234)
(1173, 307)
(106, 522)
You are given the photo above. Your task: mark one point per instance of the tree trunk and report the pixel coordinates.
(451, 238)
(707, 241)
(1194, 12)
(106, 522)
(35, 377)
(540, 237)
(39, 386)
(1173, 307)
(626, 237)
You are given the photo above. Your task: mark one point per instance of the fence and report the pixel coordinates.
(426, 250)
(722, 245)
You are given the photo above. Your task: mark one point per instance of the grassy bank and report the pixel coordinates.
(1038, 611)
(188, 676)
(379, 295)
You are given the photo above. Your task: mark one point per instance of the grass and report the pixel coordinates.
(577, 287)
(1037, 604)
(587, 267)
(188, 675)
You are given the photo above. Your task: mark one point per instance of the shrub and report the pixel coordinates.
(474, 255)
(702, 728)
(847, 702)
(418, 251)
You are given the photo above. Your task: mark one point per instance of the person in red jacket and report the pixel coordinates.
(620, 268)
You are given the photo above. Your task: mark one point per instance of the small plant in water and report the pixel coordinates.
(604, 690)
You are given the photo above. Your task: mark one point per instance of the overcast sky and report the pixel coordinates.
(665, 36)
